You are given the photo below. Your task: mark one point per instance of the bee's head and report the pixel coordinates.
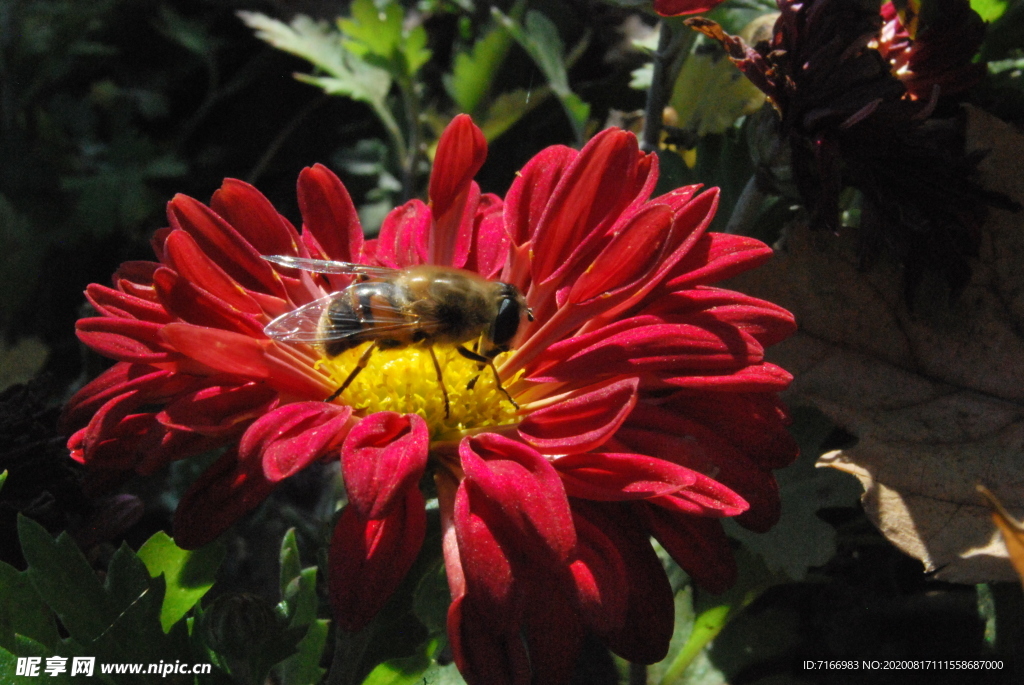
(511, 307)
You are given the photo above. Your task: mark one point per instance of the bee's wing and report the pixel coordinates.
(306, 324)
(302, 324)
(323, 266)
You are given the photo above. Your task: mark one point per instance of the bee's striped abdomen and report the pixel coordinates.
(364, 312)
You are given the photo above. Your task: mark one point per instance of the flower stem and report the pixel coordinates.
(348, 654)
(674, 44)
(746, 208)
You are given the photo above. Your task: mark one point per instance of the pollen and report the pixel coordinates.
(404, 380)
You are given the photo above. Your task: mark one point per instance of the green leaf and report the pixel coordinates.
(26, 647)
(709, 94)
(303, 667)
(473, 71)
(65, 581)
(990, 10)
(405, 671)
(3, 479)
(115, 622)
(188, 574)
(432, 598)
(539, 38)
(377, 35)
(801, 540)
(321, 45)
(373, 30)
(298, 585)
(417, 669)
(508, 108)
(22, 612)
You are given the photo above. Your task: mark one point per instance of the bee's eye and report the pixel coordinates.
(506, 323)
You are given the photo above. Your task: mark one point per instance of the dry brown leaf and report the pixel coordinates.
(935, 396)
(1011, 529)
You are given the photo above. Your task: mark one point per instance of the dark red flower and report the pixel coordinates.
(645, 405)
(673, 8)
(860, 104)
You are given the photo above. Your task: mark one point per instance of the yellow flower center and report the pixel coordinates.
(404, 380)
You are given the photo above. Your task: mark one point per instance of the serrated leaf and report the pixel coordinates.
(303, 667)
(539, 38)
(372, 29)
(801, 540)
(933, 392)
(321, 45)
(377, 34)
(65, 581)
(188, 574)
(22, 612)
(473, 71)
(26, 647)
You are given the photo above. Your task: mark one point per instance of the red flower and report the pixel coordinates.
(645, 404)
(673, 8)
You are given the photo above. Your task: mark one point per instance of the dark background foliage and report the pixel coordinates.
(110, 107)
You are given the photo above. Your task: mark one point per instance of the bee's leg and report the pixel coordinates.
(440, 381)
(360, 365)
(469, 354)
(480, 367)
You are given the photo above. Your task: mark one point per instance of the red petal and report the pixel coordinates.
(600, 578)
(120, 305)
(755, 423)
(631, 254)
(224, 245)
(766, 322)
(554, 632)
(616, 477)
(672, 8)
(486, 567)
(383, 456)
(716, 257)
(291, 437)
(524, 486)
(647, 628)
(184, 256)
(245, 356)
(125, 340)
(485, 652)
(255, 218)
(329, 215)
(149, 384)
(582, 422)
(626, 347)
(531, 191)
(369, 558)
(490, 241)
(757, 378)
(403, 236)
(194, 305)
(217, 409)
(591, 196)
(225, 492)
(460, 154)
(704, 497)
(698, 545)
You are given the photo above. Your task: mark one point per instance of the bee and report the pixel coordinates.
(391, 308)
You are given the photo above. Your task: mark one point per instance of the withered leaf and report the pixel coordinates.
(933, 391)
